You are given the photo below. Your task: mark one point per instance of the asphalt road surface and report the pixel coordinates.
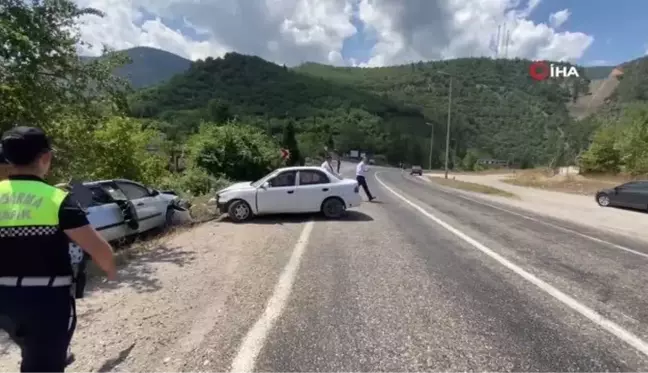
(423, 279)
(396, 290)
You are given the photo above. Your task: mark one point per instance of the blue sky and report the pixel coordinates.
(619, 27)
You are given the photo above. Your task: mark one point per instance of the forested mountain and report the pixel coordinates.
(150, 66)
(497, 110)
(598, 72)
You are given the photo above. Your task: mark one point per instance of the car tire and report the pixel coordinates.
(168, 218)
(603, 199)
(333, 208)
(239, 211)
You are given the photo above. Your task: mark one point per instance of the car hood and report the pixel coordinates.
(236, 186)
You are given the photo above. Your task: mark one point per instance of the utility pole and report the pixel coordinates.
(447, 154)
(431, 143)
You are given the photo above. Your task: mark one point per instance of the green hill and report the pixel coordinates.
(598, 72)
(497, 110)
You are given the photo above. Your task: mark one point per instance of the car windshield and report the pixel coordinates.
(258, 183)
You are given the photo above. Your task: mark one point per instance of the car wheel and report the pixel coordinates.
(603, 200)
(333, 208)
(168, 218)
(239, 211)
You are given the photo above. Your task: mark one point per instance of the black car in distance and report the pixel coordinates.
(417, 170)
(633, 195)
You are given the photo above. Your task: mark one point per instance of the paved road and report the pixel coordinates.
(395, 291)
(424, 279)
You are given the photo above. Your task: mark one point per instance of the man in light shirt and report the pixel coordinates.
(327, 165)
(361, 168)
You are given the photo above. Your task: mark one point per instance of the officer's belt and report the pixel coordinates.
(57, 281)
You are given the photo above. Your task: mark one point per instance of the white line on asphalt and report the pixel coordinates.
(622, 248)
(255, 337)
(572, 303)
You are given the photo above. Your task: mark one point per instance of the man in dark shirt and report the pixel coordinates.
(37, 222)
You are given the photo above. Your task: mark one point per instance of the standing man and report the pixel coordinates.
(327, 164)
(361, 169)
(37, 222)
(339, 163)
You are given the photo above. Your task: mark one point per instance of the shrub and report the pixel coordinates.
(233, 151)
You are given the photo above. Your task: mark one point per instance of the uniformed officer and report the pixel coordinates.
(37, 222)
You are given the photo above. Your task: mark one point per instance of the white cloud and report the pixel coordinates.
(295, 31)
(426, 29)
(559, 18)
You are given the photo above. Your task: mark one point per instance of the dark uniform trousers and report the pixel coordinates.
(36, 317)
(36, 303)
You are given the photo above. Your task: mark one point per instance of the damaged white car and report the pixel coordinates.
(289, 190)
(121, 208)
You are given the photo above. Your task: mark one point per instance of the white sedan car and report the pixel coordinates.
(121, 208)
(289, 190)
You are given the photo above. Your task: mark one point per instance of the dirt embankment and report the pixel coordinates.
(206, 282)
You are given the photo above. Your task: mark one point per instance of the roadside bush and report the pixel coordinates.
(236, 152)
(193, 182)
(115, 147)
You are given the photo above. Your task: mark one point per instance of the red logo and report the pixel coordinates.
(539, 70)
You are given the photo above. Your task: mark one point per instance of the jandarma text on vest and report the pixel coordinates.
(18, 205)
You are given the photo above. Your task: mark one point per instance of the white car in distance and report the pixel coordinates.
(289, 190)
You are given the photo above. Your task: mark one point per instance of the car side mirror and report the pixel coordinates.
(265, 185)
(153, 192)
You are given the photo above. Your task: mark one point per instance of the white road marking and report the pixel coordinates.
(255, 337)
(567, 300)
(622, 248)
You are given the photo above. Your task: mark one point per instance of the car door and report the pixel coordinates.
(279, 195)
(314, 186)
(148, 213)
(105, 215)
(623, 195)
(635, 195)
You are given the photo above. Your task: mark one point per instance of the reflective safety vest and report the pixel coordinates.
(31, 242)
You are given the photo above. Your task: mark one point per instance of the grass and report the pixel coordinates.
(574, 184)
(471, 187)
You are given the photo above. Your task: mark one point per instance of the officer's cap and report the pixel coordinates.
(22, 145)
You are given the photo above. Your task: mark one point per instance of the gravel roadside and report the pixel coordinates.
(212, 277)
(577, 209)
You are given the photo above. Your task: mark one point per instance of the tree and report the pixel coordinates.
(239, 152)
(41, 75)
(290, 142)
(219, 111)
(602, 155)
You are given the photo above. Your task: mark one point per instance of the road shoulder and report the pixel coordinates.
(577, 209)
(208, 283)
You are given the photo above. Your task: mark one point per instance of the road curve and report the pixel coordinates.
(391, 290)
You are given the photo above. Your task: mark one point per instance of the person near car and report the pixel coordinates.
(37, 222)
(361, 170)
(339, 163)
(327, 165)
